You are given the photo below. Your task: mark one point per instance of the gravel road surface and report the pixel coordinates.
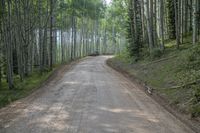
(89, 98)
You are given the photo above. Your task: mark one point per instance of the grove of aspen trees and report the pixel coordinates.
(37, 35)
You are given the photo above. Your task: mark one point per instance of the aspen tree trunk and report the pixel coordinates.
(179, 18)
(82, 37)
(149, 25)
(161, 14)
(181, 10)
(154, 25)
(97, 34)
(62, 46)
(40, 34)
(151, 14)
(195, 2)
(1, 61)
(9, 54)
(198, 20)
(26, 40)
(55, 43)
(113, 37)
(190, 28)
(32, 37)
(105, 40)
(143, 21)
(62, 39)
(75, 36)
(186, 17)
(44, 47)
(1, 46)
(68, 45)
(177, 24)
(135, 24)
(0, 71)
(51, 34)
(166, 29)
(72, 37)
(19, 35)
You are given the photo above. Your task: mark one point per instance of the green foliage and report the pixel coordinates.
(92, 9)
(195, 110)
(189, 70)
(22, 89)
(125, 56)
(191, 58)
(197, 95)
(156, 53)
(195, 102)
(189, 76)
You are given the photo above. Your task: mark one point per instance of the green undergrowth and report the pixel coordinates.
(175, 74)
(22, 89)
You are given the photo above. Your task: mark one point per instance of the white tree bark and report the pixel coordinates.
(195, 2)
(149, 23)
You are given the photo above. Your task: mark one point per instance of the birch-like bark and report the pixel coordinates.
(51, 34)
(177, 23)
(149, 24)
(161, 20)
(195, 5)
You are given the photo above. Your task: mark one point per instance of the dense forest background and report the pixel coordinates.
(154, 22)
(36, 35)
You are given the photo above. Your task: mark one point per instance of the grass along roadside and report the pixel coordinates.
(169, 76)
(30, 83)
(22, 89)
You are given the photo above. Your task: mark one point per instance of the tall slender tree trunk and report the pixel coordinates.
(72, 37)
(161, 14)
(51, 34)
(149, 24)
(105, 41)
(143, 21)
(40, 34)
(1, 40)
(75, 35)
(9, 54)
(177, 23)
(154, 9)
(195, 35)
(186, 17)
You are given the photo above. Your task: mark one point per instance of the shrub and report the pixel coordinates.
(195, 110)
(189, 73)
(191, 58)
(156, 53)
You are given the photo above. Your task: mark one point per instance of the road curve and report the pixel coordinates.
(90, 98)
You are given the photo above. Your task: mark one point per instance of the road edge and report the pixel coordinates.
(14, 109)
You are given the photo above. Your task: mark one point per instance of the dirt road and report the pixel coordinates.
(90, 98)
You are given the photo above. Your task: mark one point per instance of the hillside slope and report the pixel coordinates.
(174, 75)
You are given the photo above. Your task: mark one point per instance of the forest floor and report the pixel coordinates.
(90, 97)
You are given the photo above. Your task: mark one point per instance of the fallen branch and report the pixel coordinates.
(164, 59)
